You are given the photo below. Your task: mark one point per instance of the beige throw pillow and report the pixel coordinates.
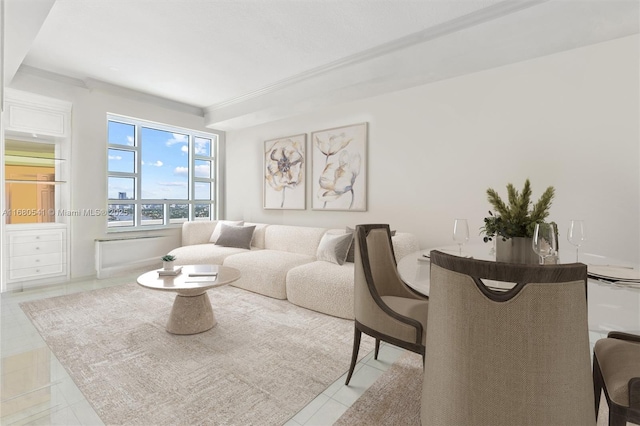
(333, 248)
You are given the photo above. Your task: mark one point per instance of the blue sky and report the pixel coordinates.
(165, 162)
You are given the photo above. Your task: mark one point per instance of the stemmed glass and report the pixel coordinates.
(577, 234)
(460, 232)
(545, 241)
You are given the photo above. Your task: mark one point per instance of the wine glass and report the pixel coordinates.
(545, 241)
(460, 232)
(577, 234)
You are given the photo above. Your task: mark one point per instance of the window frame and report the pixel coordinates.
(138, 202)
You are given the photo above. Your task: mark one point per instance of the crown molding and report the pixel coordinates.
(102, 86)
(124, 92)
(52, 76)
(483, 15)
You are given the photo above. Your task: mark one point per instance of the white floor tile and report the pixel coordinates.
(86, 414)
(328, 414)
(360, 382)
(307, 412)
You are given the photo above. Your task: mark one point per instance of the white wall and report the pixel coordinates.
(570, 120)
(88, 157)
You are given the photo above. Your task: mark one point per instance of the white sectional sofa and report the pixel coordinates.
(282, 263)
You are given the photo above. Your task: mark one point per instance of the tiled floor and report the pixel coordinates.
(36, 390)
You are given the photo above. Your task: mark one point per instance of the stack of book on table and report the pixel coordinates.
(170, 272)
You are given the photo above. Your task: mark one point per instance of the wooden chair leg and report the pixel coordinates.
(375, 355)
(616, 419)
(354, 355)
(597, 384)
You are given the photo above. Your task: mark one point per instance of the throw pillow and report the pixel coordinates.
(333, 248)
(352, 250)
(216, 232)
(235, 236)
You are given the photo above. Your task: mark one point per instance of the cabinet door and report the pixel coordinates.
(27, 112)
(36, 254)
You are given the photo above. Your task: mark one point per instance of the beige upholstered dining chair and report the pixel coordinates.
(516, 357)
(616, 371)
(385, 307)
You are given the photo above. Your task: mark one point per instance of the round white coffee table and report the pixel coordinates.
(191, 312)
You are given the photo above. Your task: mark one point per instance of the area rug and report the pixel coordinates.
(264, 360)
(394, 399)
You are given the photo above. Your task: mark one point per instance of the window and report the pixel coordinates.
(159, 175)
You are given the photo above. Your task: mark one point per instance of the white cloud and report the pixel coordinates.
(183, 184)
(157, 163)
(181, 171)
(202, 146)
(202, 171)
(130, 140)
(177, 138)
(115, 157)
(185, 149)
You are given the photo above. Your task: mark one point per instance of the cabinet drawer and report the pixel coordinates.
(23, 237)
(20, 262)
(35, 272)
(30, 249)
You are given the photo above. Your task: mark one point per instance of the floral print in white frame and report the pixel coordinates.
(284, 173)
(339, 168)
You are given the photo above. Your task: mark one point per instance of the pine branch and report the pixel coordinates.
(541, 208)
(497, 203)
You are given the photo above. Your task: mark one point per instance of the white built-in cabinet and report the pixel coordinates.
(36, 254)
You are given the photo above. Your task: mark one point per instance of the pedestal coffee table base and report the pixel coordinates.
(191, 315)
(191, 312)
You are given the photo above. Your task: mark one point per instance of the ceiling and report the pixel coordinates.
(241, 62)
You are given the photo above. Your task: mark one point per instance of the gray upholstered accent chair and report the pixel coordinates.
(512, 357)
(616, 370)
(385, 307)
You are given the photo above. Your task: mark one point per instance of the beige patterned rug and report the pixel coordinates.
(394, 399)
(264, 360)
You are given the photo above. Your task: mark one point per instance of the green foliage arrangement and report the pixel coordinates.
(168, 258)
(515, 219)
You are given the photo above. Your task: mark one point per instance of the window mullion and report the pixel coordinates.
(138, 195)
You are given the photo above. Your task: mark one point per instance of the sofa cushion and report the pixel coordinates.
(324, 287)
(197, 231)
(293, 239)
(203, 254)
(216, 232)
(333, 248)
(235, 236)
(265, 271)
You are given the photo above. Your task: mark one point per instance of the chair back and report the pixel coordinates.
(376, 276)
(506, 357)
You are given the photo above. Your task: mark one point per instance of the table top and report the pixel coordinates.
(193, 280)
(611, 306)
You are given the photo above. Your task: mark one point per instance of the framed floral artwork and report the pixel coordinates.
(339, 168)
(284, 173)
